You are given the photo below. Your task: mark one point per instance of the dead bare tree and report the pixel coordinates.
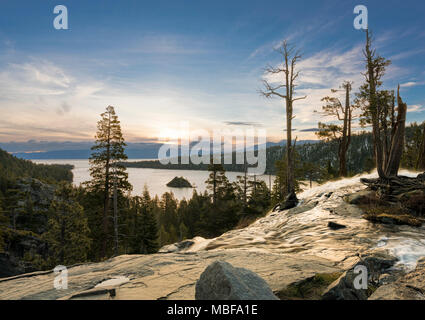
(380, 111)
(282, 84)
(392, 163)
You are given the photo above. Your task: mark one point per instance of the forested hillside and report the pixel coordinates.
(12, 168)
(323, 154)
(26, 191)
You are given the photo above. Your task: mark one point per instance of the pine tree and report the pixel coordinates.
(279, 191)
(241, 187)
(3, 225)
(259, 199)
(68, 232)
(222, 214)
(183, 231)
(217, 183)
(106, 169)
(312, 172)
(13, 199)
(145, 238)
(164, 237)
(340, 133)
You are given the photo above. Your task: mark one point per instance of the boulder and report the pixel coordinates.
(222, 281)
(335, 226)
(343, 288)
(290, 202)
(177, 247)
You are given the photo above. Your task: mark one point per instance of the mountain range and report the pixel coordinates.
(33, 149)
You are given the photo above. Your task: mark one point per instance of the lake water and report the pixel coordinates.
(155, 179)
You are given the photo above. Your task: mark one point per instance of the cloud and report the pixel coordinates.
(415, 108)
(64, 108)
(242, 123)
(166, 44)
(309, 130)
(320, 73)
(408, 84)
(411, 84)
(406, 54)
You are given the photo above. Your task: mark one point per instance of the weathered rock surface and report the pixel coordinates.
(359, 197)
(161, 276)
(408, 287)
(284, 248)
(221, 281)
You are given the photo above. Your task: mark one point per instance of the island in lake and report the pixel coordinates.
(179, 182)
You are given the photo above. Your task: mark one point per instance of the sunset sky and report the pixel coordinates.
(162, 62)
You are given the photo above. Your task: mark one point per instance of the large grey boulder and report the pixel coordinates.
(222, 281)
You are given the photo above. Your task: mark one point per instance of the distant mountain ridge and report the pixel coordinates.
(33, 150)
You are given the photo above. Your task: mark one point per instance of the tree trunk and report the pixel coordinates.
(62, 241)
(397, 141)
(115, 218)
(345, 135)
(106, 195)
(374, 110)
(421, 159)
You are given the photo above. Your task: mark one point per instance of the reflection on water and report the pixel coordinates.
(155, 179)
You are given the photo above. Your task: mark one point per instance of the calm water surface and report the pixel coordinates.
(154, 179)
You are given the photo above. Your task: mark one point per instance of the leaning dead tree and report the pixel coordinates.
(341, 133)
(388, 128)
(281, 83)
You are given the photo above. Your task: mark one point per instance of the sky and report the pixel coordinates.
(163, 62)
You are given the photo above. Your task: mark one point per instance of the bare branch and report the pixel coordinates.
(299, 98)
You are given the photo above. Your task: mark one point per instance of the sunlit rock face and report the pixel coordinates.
(283, 248)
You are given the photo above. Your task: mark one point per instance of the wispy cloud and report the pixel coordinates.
(167, 44)
(415, 108)
(320, 73)
(242, 123)
(410, 84)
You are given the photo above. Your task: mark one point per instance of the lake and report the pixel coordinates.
(154, 179)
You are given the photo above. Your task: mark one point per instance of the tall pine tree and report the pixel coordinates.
(145, 239)
(68, 232)
(3, 225)
(105, 168)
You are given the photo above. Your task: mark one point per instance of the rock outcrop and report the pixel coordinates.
(408, 287)
(222, 281)
(344, 288)
(294, 251)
